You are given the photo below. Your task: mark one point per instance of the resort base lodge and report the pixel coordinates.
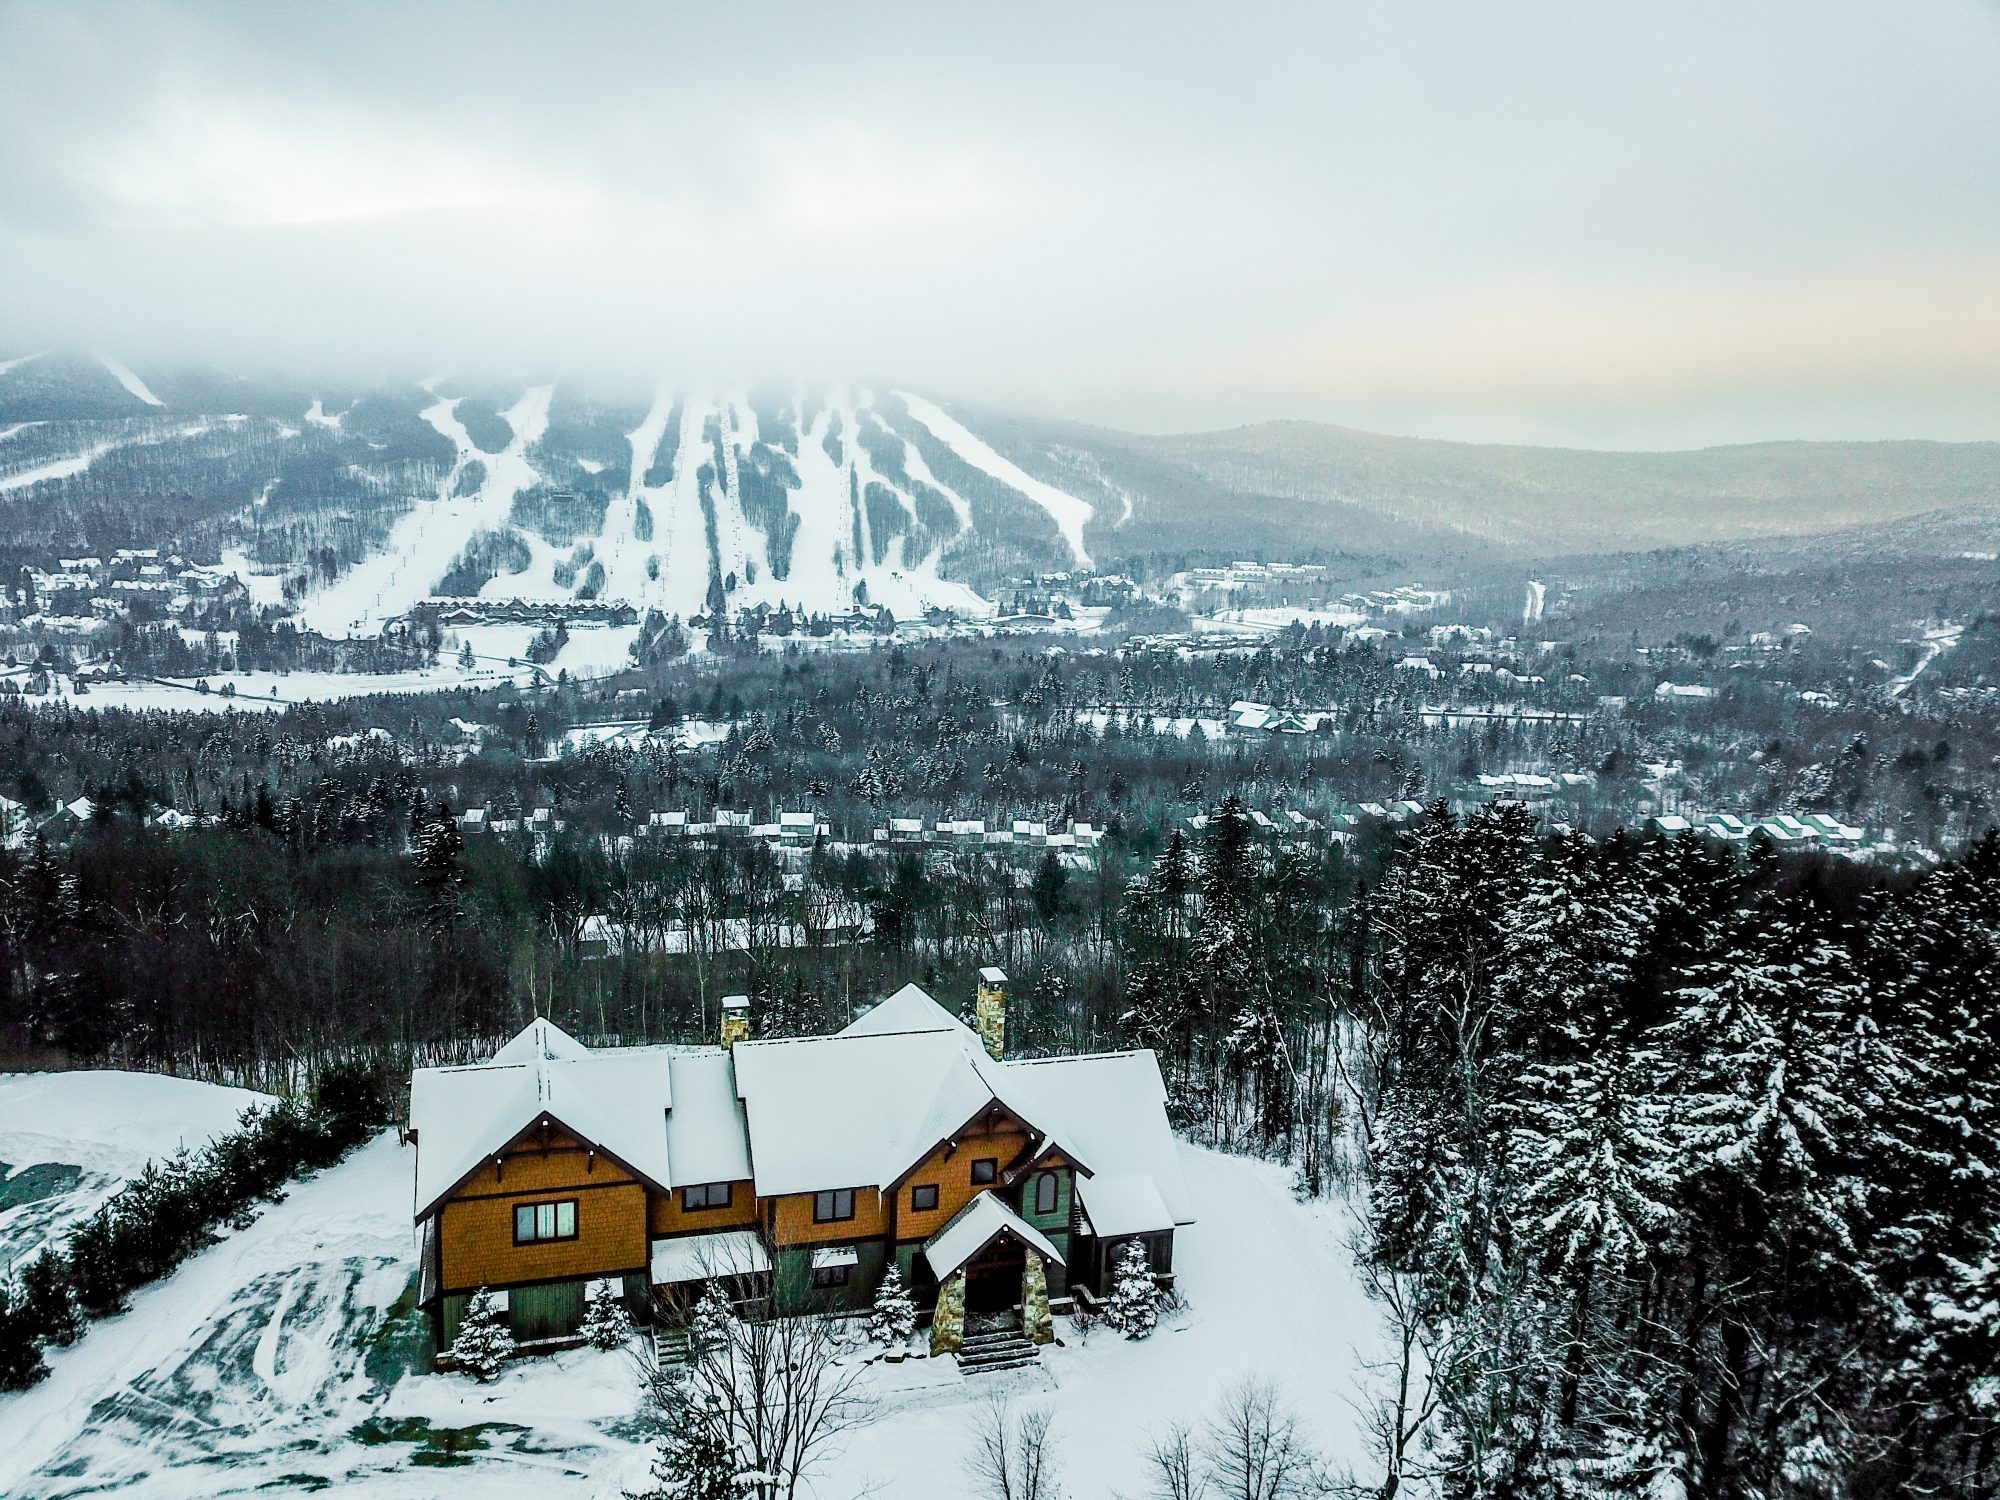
(793, 1172)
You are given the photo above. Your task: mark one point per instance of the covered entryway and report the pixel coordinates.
(993, 1277)
(988, 1261)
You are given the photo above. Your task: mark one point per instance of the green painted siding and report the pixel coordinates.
(1054, 1224)
(545, 1312)
(793, 1292)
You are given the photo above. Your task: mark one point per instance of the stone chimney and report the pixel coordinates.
(735, 1019)
(989, 1011)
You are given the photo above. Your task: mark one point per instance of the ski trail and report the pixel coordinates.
(1936, 643)
(1069, 513)
(130, 381)
(64, 468)
(1531, 611)
(19, 359)
(424, 542)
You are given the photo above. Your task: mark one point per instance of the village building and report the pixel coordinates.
(793, 1172)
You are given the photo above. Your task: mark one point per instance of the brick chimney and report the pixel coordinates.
(735, 1019)
(989, 1010)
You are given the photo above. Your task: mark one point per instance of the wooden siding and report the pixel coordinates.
(950, 1171)
(669, 1218)
(475, 1228)
(536, 1163)
(792, 1220)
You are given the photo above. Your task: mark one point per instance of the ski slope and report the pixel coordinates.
(1070, 514)
(124, 376)
(431, 535)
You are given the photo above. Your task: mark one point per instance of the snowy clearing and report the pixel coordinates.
(286, 1357)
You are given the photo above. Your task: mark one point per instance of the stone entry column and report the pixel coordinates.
(948, 1322)
(1037, 1324)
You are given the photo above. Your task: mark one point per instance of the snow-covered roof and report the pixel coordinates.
(854, 1110)
(977, 1225)
(698, 1257)
(540, 1038)
(828, 1256)
(707, 1140)
(1109, 1110)
(909, 1009)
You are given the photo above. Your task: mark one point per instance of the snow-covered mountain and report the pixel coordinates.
(352, 503)
(359, 505)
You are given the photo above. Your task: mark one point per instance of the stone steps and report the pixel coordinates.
(985, 1353)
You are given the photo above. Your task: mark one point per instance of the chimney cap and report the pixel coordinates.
(991, 975)
(735, 1002)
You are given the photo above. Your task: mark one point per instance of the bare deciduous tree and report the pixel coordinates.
(1015, 1457)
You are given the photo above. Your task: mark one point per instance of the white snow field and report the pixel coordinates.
(70, 1140)
(286, 1358)
(123, 374)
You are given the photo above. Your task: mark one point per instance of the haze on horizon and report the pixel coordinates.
(1552, 223)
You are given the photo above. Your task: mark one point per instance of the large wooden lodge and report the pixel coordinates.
(792, 1171)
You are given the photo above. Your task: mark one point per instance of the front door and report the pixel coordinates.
(993, 1278)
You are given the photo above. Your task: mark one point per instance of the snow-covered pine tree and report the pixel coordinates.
(483, 1341)
(895, 1316)
(20, 1350)
(1134, 1305)
(692, 1460)
(605, 1322)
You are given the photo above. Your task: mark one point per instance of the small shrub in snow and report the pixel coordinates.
(1135, 1299)
(605, 1324)
(895, 1316)
(484, 1340)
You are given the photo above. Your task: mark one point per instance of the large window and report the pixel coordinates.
(986, 1169)
(1045, 1193)
(831, 1206)
(924, 1196)
(705, 1195)
(536, 1222)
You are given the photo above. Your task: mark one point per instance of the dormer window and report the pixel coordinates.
(985, 1169)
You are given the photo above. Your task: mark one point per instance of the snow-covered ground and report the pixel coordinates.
(286, 1356)
(69, 1140)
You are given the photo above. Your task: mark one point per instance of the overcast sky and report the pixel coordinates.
(1610, 225)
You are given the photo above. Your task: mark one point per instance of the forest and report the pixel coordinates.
(1674, 1160)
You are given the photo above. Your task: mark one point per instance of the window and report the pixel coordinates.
(535, 1222)
(1045, 1193)
(838, 1204)
(924, 1197)
(824, 1276)
(985, 1170)
(705, 1195)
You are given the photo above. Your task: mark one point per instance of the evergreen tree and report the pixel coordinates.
(483, 1341)
(20, 1346)
(894, 1317)
(606, 1325)
(1134, 1305)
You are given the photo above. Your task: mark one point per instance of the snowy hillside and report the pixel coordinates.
(70, 1140)
(286, 1356)
(356, 506)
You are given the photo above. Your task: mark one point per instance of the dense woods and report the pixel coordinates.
(1675, 1161)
